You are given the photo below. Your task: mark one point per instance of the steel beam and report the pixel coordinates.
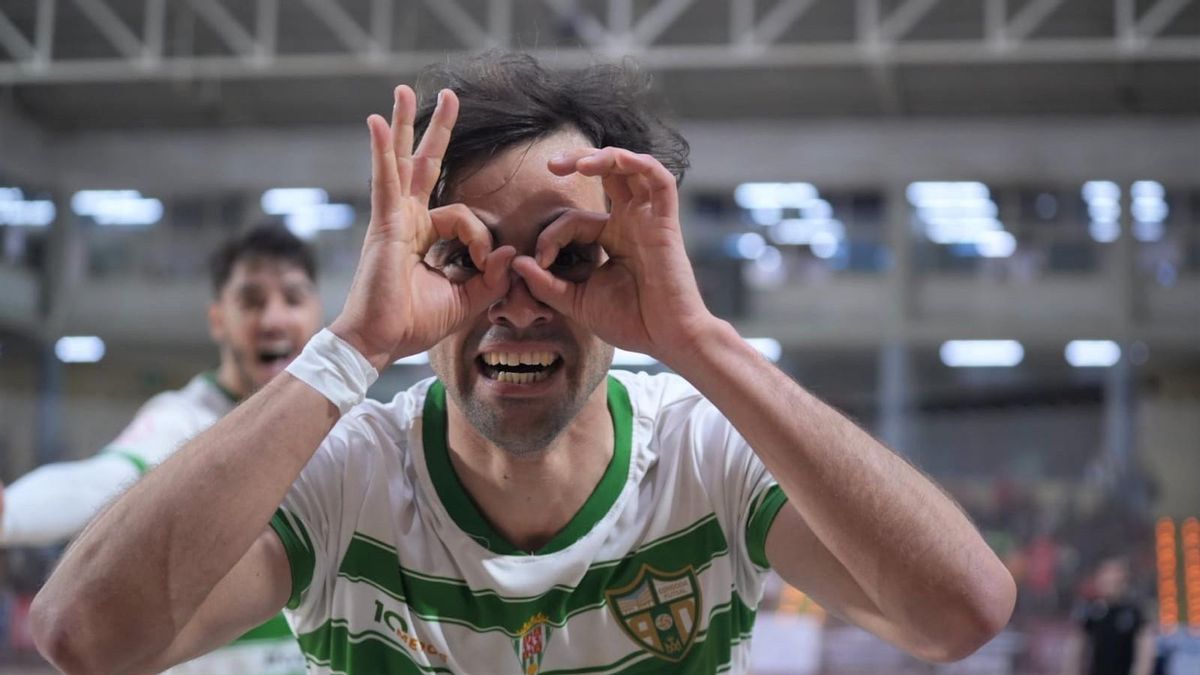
(232, 33)
(904, 18)
(781, 17)
(1030, 18)
(658, 19)
(1159, 17)
(344, 27)
(459, 22)
(13, 41)
(114, 29)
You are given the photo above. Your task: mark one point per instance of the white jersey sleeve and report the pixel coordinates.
(745, 496)
(160, 426)
(310, 519)
(54, 502)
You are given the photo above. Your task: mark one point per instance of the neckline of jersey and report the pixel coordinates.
(465, 512)
(211, 376)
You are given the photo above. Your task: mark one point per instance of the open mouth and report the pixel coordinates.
(518, 367)
(268, 357)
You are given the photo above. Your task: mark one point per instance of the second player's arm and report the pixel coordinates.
(146, 565)
(866, 533)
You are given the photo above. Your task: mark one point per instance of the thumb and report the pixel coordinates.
(560, 294)
(486, 288)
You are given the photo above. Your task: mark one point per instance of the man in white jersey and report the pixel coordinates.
(527, 511)
(264, 308)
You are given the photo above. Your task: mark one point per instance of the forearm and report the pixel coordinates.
(54, 502)
(908, 546)
(146, 563)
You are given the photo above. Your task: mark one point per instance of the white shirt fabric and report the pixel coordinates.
(395, 570)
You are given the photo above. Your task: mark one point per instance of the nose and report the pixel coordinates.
(275, 316)
(518, 308)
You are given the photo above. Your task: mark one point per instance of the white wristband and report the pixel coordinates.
(334, 368)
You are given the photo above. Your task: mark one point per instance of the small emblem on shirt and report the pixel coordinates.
(658, 610)
(530, 644)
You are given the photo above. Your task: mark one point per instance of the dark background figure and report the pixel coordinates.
(1114, 634)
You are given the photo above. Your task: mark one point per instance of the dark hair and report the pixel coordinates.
(264, 241)
(508, 98)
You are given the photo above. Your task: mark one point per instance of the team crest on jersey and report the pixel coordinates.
(530, 644)
(659, 610)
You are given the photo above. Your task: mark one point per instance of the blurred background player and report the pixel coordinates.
(264, 309)
(1113, 634)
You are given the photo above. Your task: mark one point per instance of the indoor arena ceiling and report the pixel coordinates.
(84, 64)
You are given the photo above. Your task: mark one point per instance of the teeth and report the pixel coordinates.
(520, 378)
(515, 358)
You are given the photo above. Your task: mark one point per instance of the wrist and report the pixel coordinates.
(336, 369)
(703, 346)
(379, 359)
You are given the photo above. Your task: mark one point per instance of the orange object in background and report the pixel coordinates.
(794, 601)
(1191, 571)
(1168, 565)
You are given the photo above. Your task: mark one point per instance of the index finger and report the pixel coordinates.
(664, 199)
(427, 160)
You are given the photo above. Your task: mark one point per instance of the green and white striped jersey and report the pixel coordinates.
(162, 425)
(395, 570)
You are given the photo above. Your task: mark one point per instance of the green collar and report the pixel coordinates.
(466, 513)
(211, 376)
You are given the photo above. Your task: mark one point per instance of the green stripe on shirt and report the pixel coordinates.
(452, 601)
(758, 523)
(299, 549)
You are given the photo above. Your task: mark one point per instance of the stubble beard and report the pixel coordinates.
(527, 428)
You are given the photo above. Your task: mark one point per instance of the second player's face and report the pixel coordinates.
(521, 371)
(263, 317)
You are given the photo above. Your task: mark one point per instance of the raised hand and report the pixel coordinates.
(397, 304)
(644, 296)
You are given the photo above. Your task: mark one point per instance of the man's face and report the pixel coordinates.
(521, 372)
(262, 318)
(1112, 578)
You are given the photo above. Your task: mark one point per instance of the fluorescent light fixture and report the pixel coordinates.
(967, 230)
(306, 221)
(923, 193)
(16, 210)
(774, 195)
(800, 231)
(817, 209)
(1104, 231)
(996, 244)
(1105, 210)
(1101, 190)
(1147, 189)
(961, 214)
(766, 217)
(768, 347)
(767, 270)
(79, 349)
(282, 201)
(1092, 353)
(747, 246)
(117, 207)
(981, 353)
(1147, 231)
(824, 245)
(420, 359)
